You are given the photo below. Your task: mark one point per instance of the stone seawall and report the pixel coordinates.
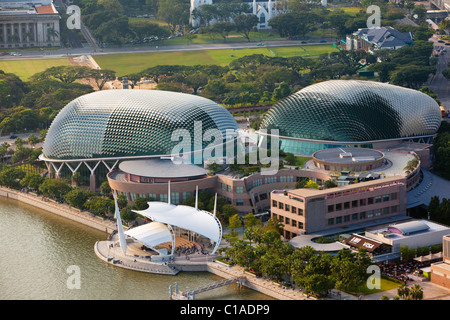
(62, 210)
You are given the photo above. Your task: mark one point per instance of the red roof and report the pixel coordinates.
(45, 9)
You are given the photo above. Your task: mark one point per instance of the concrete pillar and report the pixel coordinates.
(92, 185)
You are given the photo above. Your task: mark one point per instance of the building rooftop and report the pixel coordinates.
(385, 37)
(348, 155)
(307, 192)
(407, 229)
(161, 168)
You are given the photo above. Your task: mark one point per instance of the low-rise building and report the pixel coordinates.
(29, 24)
(310, 210)
(440, 271)
(372, 39)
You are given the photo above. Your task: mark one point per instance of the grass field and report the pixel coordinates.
(24, 69)
(125, 64)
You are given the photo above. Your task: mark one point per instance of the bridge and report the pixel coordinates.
(190, 294)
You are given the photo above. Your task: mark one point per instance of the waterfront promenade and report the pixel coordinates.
(63, 210)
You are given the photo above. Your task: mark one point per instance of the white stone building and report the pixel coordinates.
(29, 23)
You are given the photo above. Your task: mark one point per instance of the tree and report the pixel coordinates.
(228, 210)
(234, 222)
(101, 77)
(274, 225)
(32, 180)
(251, 221)
(245, 23)
(55, 188)
(10, 176)
(174, 13)
(77, 197)
(100, 205)
(105, 189)
(141, 203)
(65, 74)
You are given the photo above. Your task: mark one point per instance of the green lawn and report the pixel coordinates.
(125, 64)
(24, 69)
(386, 284)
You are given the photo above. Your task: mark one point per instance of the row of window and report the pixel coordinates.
(362, 202)
(363, 215)
(287, 207)
(174, 197)
(288, 221)
(343, 219)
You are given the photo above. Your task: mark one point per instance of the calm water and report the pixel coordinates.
(37, 247)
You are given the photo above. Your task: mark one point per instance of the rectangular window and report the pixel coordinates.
(347, 218)
(346, 205)
(330, 221)
(354, 216)
(300, 225)
(394, 196)
(239, 189)
(370, 214)
(280, 205)
(362, 215)
(377, 212)
(300, 212)
(330, 208)
(394, 209)
(294, 223)
(377, 199)
(185, 195)
(287, 207)
(294, 209)
(386, 210)
(362, 202)
(338, 220)
(354, 203)
(163, 197)
(224, 186)
(228, 188)
(370, 200)
(239, 202)
(175, 197)
(274, 203)
(338, 206)
(152, 196)
(288, 221)
(385, 197)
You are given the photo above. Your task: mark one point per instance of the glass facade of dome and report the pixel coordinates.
(126, 123)
(350, 111)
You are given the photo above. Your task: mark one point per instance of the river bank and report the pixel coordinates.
(193, 265)
(63, 210)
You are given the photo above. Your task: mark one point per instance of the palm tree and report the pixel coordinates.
(416, 292)
(52, 33)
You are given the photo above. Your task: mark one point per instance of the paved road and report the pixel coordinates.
(165, 47)
(438, 83)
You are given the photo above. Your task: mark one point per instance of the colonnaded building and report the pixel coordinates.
(29, 23)
(372, 139)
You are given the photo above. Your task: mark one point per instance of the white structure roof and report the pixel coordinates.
(185, 217)
(150, 234)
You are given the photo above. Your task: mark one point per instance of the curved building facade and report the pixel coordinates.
(95, 131)
(351, 112)
(127, 123)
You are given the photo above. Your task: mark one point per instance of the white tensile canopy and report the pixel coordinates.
(151, 234)
(185, 217)
(164, 215)
(190, 218)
